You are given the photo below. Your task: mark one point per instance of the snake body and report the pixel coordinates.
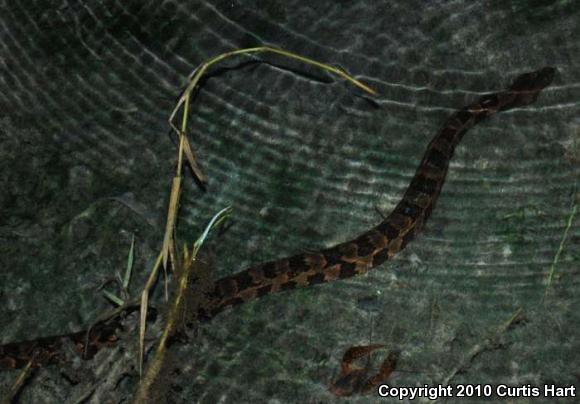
(383, 241)
(341, 261)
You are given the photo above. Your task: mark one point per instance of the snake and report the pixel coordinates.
(344, 260)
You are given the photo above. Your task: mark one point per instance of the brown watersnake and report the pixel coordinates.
(341, 261)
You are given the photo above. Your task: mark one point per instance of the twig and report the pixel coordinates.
(199, 71)
(18, 383)
(143, 313)
(560, 249)
(482, 346)
(177, 309)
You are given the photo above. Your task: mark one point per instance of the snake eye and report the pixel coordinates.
(408, 209)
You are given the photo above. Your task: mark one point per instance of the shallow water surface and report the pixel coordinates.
(306, 161)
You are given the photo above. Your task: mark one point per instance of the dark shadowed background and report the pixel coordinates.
(306, 161)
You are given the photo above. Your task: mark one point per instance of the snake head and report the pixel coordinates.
(534, 81)
(528, 86)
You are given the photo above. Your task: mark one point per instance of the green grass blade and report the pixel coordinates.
(215, 221)
(113, 298)
(130, 260)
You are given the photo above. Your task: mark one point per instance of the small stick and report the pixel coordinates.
(199, 71)
(560, 249)
(19, 382)
(482, 346)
